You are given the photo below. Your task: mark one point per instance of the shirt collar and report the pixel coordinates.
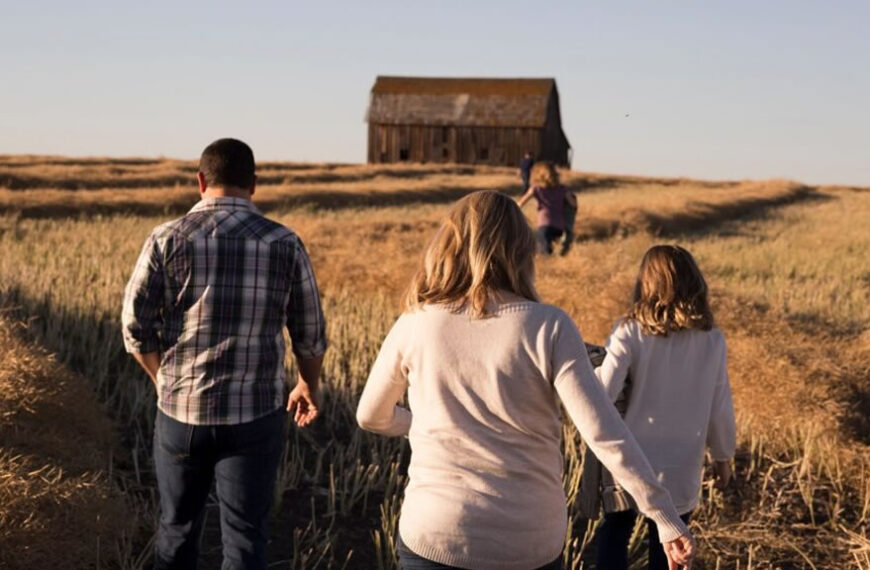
(224, 203)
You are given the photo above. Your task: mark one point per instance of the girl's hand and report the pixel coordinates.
(680, 552)
(722, 474)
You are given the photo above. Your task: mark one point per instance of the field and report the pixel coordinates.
(787, 265)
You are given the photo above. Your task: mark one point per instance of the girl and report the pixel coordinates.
(483, 362)
(556, 204)
(679, 397)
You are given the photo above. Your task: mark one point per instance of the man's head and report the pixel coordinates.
(226, 167)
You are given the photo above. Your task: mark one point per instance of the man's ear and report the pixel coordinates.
(203, 186)
(254, 185)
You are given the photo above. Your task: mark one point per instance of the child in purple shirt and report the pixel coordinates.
(555, 203)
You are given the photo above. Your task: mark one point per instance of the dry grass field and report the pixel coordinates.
(791, 288)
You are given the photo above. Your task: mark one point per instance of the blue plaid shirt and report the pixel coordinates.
(212, 292)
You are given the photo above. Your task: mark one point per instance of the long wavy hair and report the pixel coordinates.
(670, 294)
(544, 174)
(483, 245)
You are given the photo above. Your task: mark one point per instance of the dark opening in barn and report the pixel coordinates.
(465, 120)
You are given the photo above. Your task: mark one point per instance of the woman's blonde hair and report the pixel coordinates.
(670, 294)
(544, 175)
(483, 245)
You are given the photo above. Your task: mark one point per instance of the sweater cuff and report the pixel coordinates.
(670, 527)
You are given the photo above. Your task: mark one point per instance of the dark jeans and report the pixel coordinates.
(410, 561)
(613, 539)
(546, 236)
(243, 460)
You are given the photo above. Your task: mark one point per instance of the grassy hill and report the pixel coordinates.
(786, 263)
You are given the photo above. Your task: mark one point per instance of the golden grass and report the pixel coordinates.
(58, 504)
(785, 263)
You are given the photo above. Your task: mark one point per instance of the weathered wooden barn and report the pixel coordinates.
(465, 120)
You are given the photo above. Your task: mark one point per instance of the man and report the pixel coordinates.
(526, 164)
(204, 315)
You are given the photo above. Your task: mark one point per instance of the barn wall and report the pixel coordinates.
(554, 146)
(501, 146)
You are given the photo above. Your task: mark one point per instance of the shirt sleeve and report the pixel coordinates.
(378, 409)
(722, 429)
(617, 363)
(142, 312)
(606, 434)
(305, 319)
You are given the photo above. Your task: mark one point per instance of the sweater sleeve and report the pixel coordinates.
(605, 433)
(614, 370)
(378, 409)
(722, 429)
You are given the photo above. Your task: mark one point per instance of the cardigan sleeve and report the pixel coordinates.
(605, 433)
(617, 363)
(378, 409)
(722, 429)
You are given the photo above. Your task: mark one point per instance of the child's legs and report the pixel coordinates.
(612, 552)
(657, 558)
(546, 236)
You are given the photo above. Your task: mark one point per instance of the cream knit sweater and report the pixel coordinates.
(680, 401)
(485, 488)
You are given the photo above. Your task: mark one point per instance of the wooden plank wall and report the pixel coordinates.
(502, 146)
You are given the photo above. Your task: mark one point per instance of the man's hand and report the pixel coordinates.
(722, 474)
(680, 552)
(150, 363)
(304, 399)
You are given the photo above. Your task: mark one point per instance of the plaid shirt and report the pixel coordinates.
(212, 292)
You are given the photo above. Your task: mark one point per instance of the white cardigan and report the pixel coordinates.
(680, 400)
(485, 479)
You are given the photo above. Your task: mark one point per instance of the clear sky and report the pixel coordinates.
(725, 89)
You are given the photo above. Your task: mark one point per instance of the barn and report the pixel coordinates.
(465, 120)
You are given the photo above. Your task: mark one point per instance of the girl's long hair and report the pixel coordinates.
(544, 175)
(483, 245)
(670, 294)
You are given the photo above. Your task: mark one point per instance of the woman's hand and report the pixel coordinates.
(680, 552)
(722, 474)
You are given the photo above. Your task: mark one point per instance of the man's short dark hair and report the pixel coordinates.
(228, 162)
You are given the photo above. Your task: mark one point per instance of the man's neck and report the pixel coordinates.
(226, 192)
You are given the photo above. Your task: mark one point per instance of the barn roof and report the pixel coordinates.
(460, 101)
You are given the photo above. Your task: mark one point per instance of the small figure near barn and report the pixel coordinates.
(555, 205)
(526, 164)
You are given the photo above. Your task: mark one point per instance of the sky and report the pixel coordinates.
(713, 89)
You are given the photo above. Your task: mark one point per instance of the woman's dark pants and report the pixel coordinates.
(546, 236)
(408, 560)
(243, 460)
(613, 537)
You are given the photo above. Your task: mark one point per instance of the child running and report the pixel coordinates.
(556, 205)
(679, 398)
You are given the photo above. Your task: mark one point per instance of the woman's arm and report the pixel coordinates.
(378, 410)
(526, 197)
(571, 199)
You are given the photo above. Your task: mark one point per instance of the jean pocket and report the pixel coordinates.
(173, 437)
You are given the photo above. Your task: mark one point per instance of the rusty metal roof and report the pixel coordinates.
(460, 101)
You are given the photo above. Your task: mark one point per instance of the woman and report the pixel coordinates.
(676, 359)
(556, 206)
(483, 362)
